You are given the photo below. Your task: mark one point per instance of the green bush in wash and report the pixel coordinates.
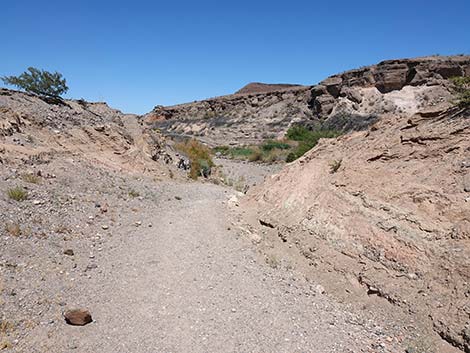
(307, 139)
(298, 140)
(270, 145)
(242, 152)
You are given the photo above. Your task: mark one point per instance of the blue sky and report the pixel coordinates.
(137, 54)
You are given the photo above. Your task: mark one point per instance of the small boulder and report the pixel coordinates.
(68, 252)
(77, 317)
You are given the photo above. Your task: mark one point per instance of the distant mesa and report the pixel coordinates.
(258, 87)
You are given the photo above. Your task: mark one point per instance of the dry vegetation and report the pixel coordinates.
(31, 178)
(13, 229)
(17, 193)
(199, 157)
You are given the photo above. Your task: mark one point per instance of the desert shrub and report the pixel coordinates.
(306, 139)
(241, 152)
(50, 84)
(133, 193)
(17, 193)
(299, 151)
(462, 88)
(199, 156)
(209, 115)
(298, 133)
(255, 156)
(268, 151)
(299, 140)
(223, 150)
(270, 145)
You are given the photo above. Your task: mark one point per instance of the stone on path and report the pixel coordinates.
(77, 317)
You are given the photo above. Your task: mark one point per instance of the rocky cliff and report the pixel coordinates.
(350, 100)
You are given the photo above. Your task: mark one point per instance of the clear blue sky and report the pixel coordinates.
(136, 54)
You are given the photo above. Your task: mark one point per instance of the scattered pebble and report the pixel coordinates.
(68, 252)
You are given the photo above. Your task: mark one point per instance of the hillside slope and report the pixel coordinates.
(35, 130)
(348, 101)
(384, 211)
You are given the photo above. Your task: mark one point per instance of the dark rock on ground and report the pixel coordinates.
(78, 317)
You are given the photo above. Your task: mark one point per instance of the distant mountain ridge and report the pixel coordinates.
(258, 87)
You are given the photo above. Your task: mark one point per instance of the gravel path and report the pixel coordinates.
(173, 273)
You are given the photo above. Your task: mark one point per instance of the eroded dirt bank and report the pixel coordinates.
(383, 212)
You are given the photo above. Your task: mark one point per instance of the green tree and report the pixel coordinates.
(50, 84)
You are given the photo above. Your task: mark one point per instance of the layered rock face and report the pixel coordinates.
(353, 99)
(348, 101)
(235, 119)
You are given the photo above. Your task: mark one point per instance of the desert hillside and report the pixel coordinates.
(34, 129)
(385, 211)
(126, 233)
(258, 87)
(351, 100)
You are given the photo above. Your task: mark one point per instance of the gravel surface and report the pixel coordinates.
(161, 267)
(244, 175)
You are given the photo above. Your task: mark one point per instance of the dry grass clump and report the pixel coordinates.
(133, 193)
(31, 178)
(17, 193)
(6, 327)
(255, 156)
(5, 344)
(272, 260)
(13, 229)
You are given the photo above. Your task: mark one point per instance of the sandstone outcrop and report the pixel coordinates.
(362, 94)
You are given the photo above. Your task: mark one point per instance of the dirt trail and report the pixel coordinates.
(192, 282)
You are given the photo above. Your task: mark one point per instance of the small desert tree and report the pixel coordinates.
(50, 84)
